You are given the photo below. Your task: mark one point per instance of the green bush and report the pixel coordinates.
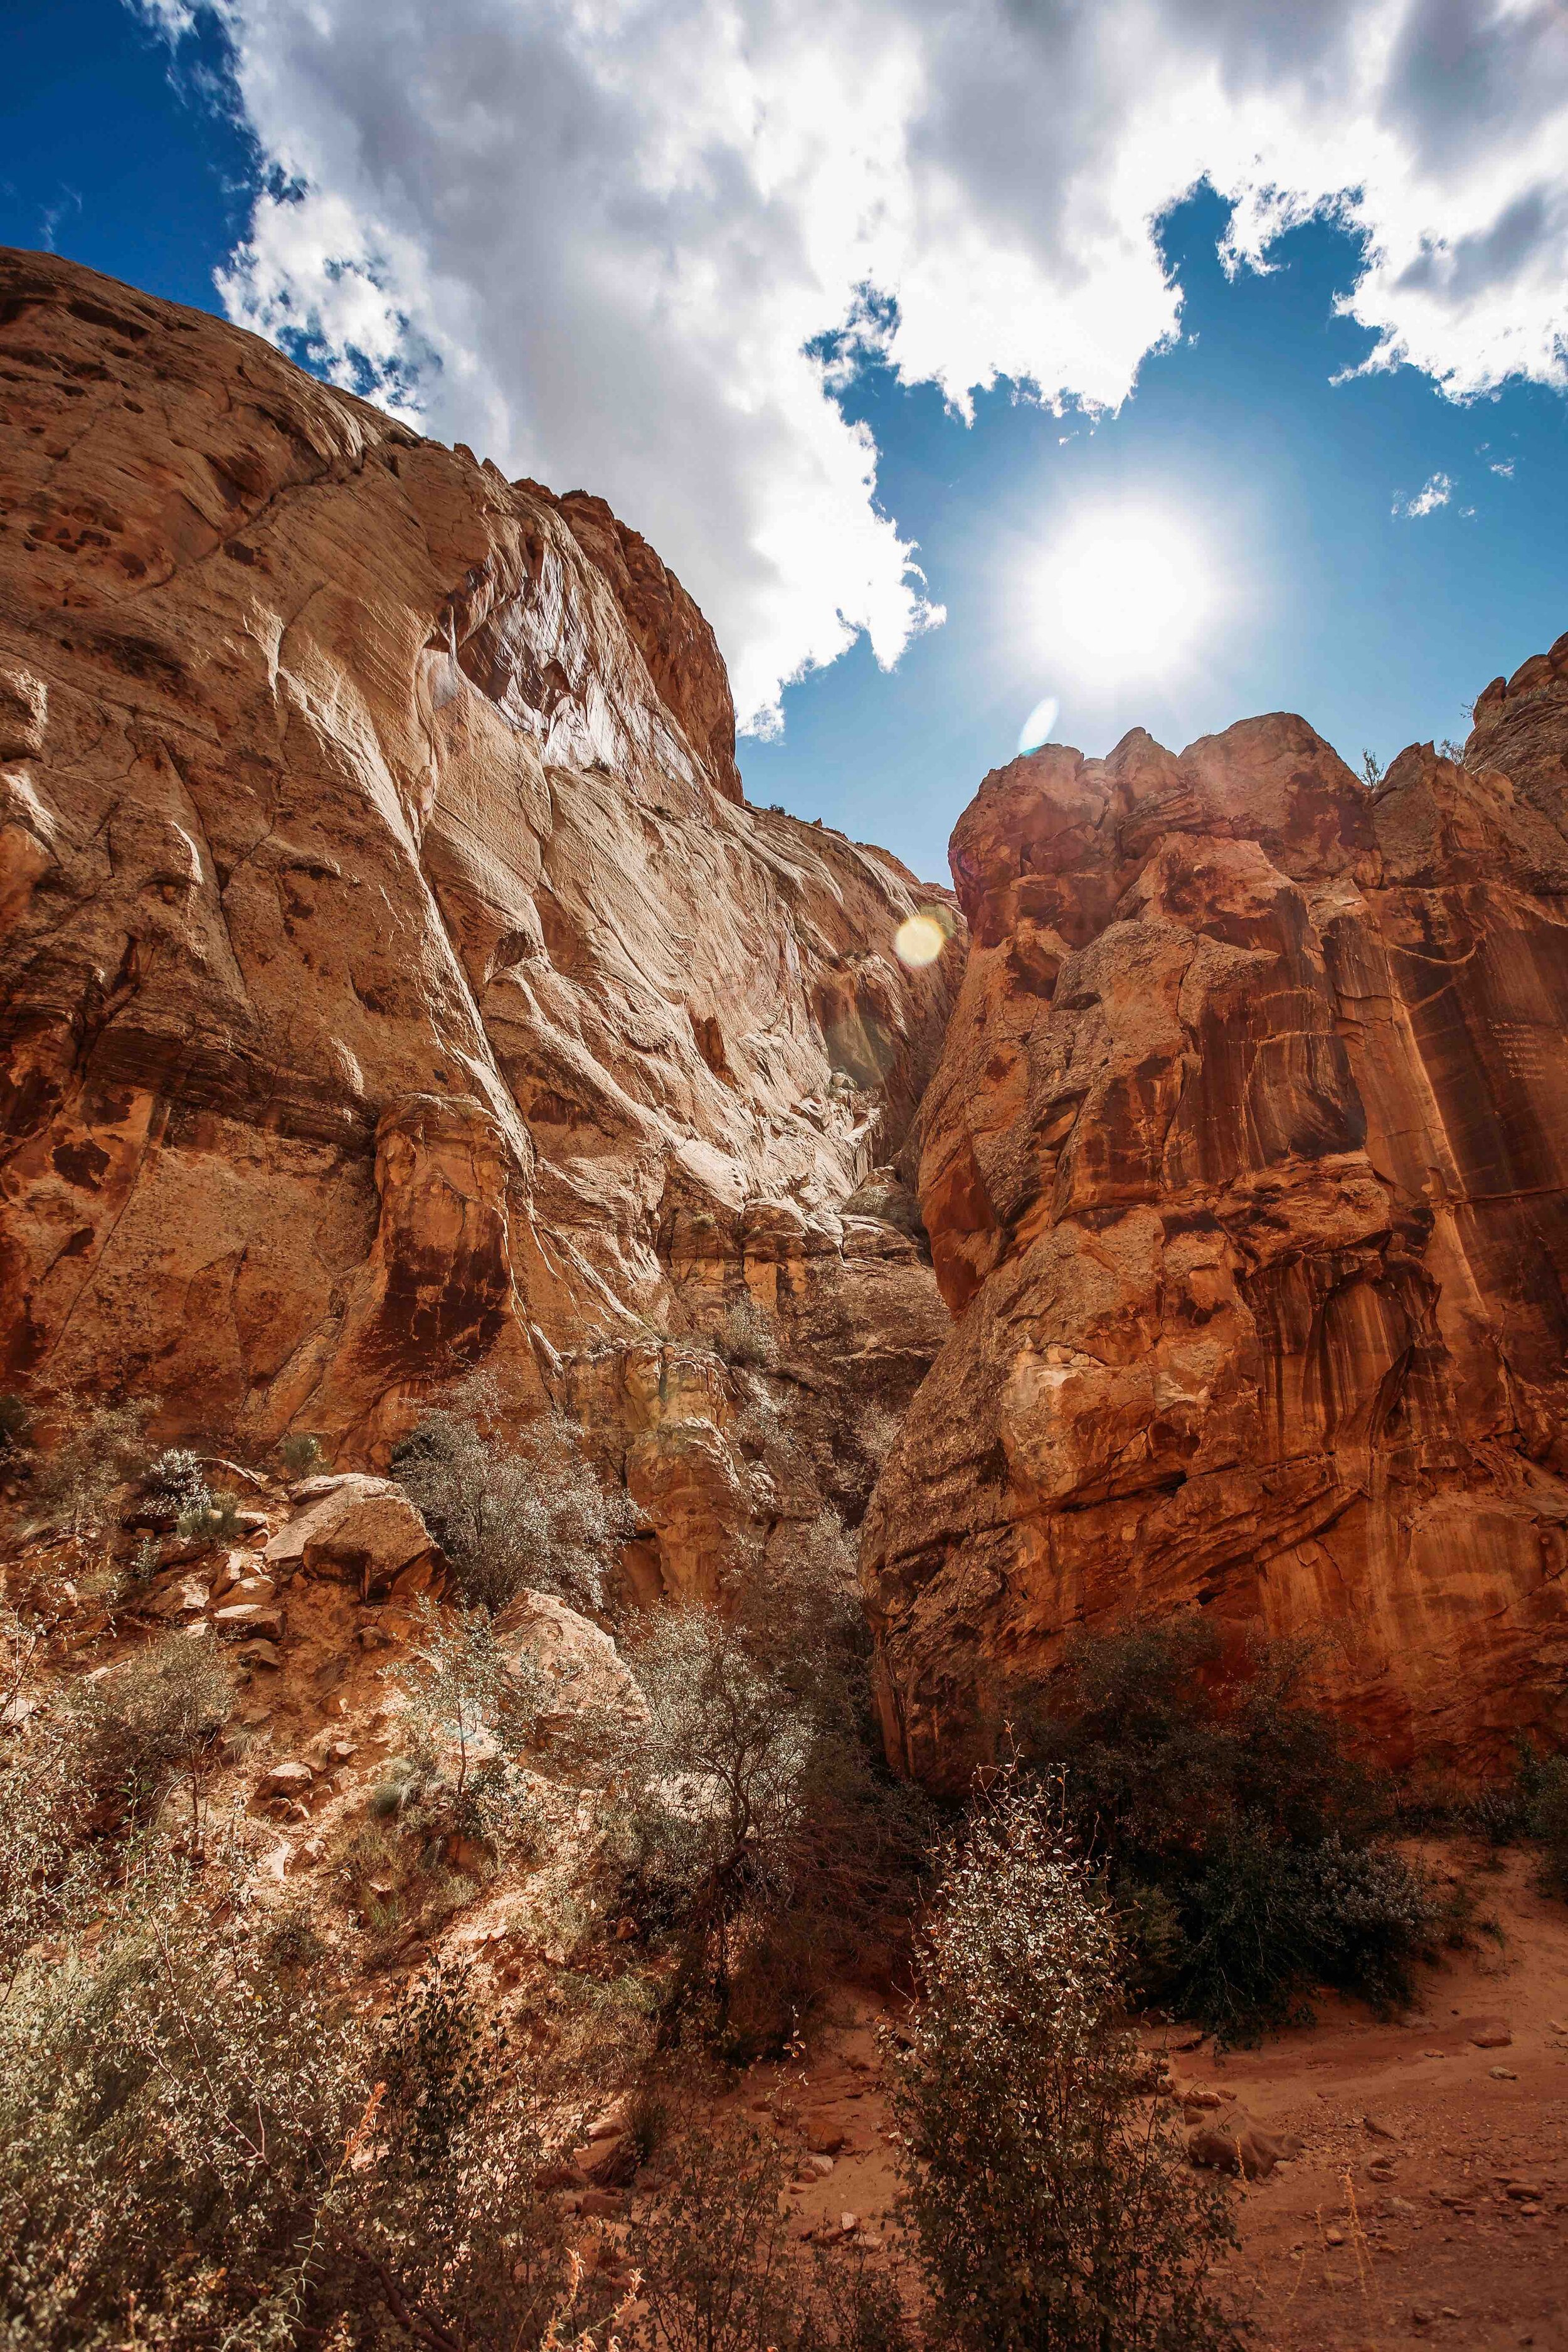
(1051, 2203)
(1238, 1833)
(300, 1453)
(759, 1832)
(151, 1724)
(98, 1447)
(511, 1509)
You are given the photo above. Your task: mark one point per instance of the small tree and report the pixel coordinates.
(465, 1694)
(510, 1508)
(1050, 2200)
(98, 1447)
(152, 1725)
(719, 1768)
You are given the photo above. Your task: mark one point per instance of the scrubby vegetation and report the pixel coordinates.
(759, 1832)
(96, 1446)
(1240, 1837)
(271, 2116)
(510, 1506)
(1049, 2199)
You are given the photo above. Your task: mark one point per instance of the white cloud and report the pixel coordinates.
(1436, 493)
(597, 239)
(1503, 466)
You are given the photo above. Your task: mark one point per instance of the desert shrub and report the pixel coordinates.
(48, 1875)
(1049, 2201)
(16, 1428)
(469, 1706)
(215, 1520)
(510, 1508)
(746, 1338)
(761, 1832)
(151, 1724)
(97, 1448)
(1548, 1822)
(1238, 1833)
(718, 2270)
(197, 2149)
(177, 1482)
(300, 1453)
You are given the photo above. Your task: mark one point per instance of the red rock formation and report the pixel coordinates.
(392, 977)
(1245, 1175)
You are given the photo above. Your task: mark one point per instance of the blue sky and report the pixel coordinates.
(1277, 483)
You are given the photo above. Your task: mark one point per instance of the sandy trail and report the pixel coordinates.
(1429, 2204)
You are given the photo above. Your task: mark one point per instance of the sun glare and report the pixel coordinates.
(1121, 594)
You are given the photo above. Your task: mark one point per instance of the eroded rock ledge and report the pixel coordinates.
(392, 978)
(1243, 1171)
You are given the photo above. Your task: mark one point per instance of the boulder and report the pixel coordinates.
(248, 1617)
(359, 1531)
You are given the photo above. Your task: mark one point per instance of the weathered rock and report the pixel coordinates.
(594, 1696)
(259, 1653)
(356, 1530)
(248, 1617)
(1244, 1174)
(392, 978)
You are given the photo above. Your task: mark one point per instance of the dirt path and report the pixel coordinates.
(1430, 2201)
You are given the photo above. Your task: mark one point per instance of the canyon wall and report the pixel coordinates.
(392, 979)
(394, 982)
(1243, 1171)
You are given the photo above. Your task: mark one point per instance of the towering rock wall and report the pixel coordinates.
(1245, 1176)
(392, 977)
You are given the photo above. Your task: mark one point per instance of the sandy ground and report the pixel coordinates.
(1428, 2203)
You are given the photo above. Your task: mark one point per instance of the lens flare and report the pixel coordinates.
(1040, 724)
(918, 940)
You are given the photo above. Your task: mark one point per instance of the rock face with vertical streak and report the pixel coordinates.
(392, 979)
(1246, 1172)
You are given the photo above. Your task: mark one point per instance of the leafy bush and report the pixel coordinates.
(300, 1453)
(760, 1831)
(1238, 1833)
(718, 2271)
(468, 1702)
(510, 1508)
(151, 1724)
(196, 2150)
(1548, 1822)
(98, 1447)
(1051, 2203)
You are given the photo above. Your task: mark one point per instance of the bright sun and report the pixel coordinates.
(1122, 595)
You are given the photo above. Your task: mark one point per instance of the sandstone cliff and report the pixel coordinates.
(392, 976)
(1245, 1174)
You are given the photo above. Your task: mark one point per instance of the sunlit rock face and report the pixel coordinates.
(1244, 1172)
(393, 979)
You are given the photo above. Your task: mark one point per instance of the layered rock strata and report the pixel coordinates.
(1245, 1172)
(392, 979)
